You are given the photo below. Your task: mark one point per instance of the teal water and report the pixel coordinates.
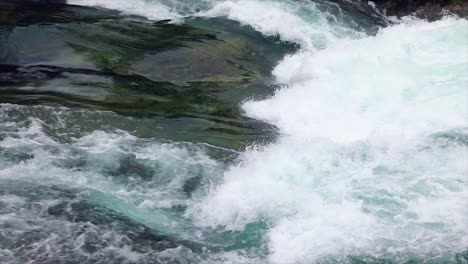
(231, 132)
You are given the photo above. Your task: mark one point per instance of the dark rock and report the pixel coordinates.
(426, 9)
(13, 10)
(38, 2)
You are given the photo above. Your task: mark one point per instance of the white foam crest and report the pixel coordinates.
(150, 9)
(101, 141)
(325, 199)
(408, 79)
(358, 170)
(278, 18)
(298, 22)
(28, 132)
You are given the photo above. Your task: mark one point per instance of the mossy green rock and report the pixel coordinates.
(97, 59)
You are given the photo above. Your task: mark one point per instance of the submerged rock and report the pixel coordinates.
(185, 77)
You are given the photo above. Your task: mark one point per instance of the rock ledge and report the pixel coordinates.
(426, 9)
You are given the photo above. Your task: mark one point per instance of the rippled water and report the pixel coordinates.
(247, 131)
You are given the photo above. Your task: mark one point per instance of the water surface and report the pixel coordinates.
(231, 132)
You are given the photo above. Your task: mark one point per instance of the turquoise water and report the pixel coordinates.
(232, 132)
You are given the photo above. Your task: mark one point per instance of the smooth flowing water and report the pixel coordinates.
(249, 131)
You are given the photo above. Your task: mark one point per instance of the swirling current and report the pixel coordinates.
(248, 131)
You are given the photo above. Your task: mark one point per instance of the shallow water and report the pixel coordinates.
(231, 132)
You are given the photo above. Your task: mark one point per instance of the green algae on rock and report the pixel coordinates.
(97, 59)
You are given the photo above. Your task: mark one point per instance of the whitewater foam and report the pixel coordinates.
(276, 19)
(292, 21)
(115, 167)
(372, 157)
(150, 9)
(389, 84)
(357, 170)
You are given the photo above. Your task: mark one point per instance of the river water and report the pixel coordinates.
(249, 131)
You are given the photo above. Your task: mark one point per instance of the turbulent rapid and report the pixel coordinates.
(249, 131)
